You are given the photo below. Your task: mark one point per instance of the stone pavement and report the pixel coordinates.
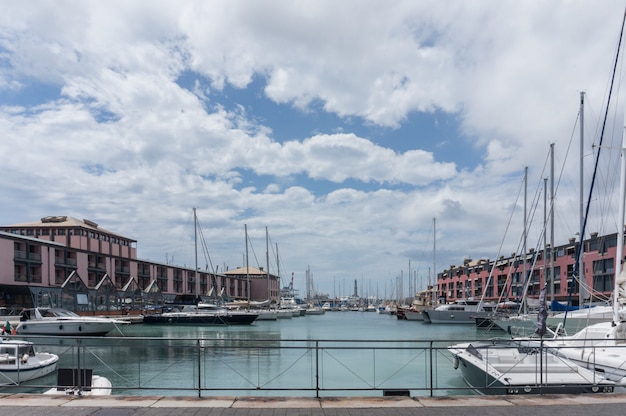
(552, 405)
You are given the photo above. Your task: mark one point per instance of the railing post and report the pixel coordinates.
(199, 374)
(431, 368)
(317, 370)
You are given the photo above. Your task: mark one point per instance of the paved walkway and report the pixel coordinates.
(553, 405)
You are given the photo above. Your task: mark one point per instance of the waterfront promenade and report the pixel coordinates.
(553, 405)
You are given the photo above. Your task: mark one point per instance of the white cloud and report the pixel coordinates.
(128, 147)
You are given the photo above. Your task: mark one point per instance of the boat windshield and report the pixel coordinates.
(58, 313)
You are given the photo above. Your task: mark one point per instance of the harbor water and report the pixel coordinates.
(334, 354)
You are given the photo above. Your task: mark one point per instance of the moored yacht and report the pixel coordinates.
(203, 314)
(61, 322)
(463, 311)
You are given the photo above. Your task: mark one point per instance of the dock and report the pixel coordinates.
(514, 405)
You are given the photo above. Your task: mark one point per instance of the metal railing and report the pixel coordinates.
(258, 367)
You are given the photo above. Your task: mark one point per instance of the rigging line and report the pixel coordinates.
(253, 252)
(595, 170)
(519, 192)
(205, 249)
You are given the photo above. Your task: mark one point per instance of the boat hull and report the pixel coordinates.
(200, 319)
(65, 328)
(414, 315)
(452, 316)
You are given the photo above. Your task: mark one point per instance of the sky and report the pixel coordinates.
(370, 141)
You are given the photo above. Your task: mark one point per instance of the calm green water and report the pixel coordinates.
(360, 351)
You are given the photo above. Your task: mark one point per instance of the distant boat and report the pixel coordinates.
(61, 322)
(411, 315)
(19, 362)
(314, 310)
(421, 301)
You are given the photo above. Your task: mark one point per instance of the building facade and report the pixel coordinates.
(66, 262)
(512, 276)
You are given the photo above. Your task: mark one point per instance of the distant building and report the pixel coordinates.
(263, 286)
(508, 282)
(66, 262)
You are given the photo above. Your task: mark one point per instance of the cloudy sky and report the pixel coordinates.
(343, 127)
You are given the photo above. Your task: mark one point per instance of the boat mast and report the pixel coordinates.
(619, 250)
(582, 285)
(245, 227)
(195, 240)
(551, 221)
(545, 230)
(524, 250)
(435, 284)
(267, 261)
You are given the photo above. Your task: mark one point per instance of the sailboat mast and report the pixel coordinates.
(619, 250)
(267, 261)
(435, 261)
(545, 230)
(524, 250)
(551, 221)
(245, 227)
(195, 242)
(277, 265)
(581, 278)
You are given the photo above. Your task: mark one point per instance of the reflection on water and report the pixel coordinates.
(382, 353)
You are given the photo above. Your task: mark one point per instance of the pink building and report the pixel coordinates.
(52, 261)
(507, 281)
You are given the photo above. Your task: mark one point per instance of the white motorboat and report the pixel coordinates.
(284, 313)
(61, 322)
(489, 368)
(463, 311)
(82, 382)
(19, 362)
(314, 310)
(266, 314)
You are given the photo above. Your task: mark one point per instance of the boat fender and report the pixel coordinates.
(60, 327)
(25, 358)
(455, 362)
(80, 328)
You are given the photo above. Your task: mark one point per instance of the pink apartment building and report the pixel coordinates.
(66, 262)
(508, 281)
